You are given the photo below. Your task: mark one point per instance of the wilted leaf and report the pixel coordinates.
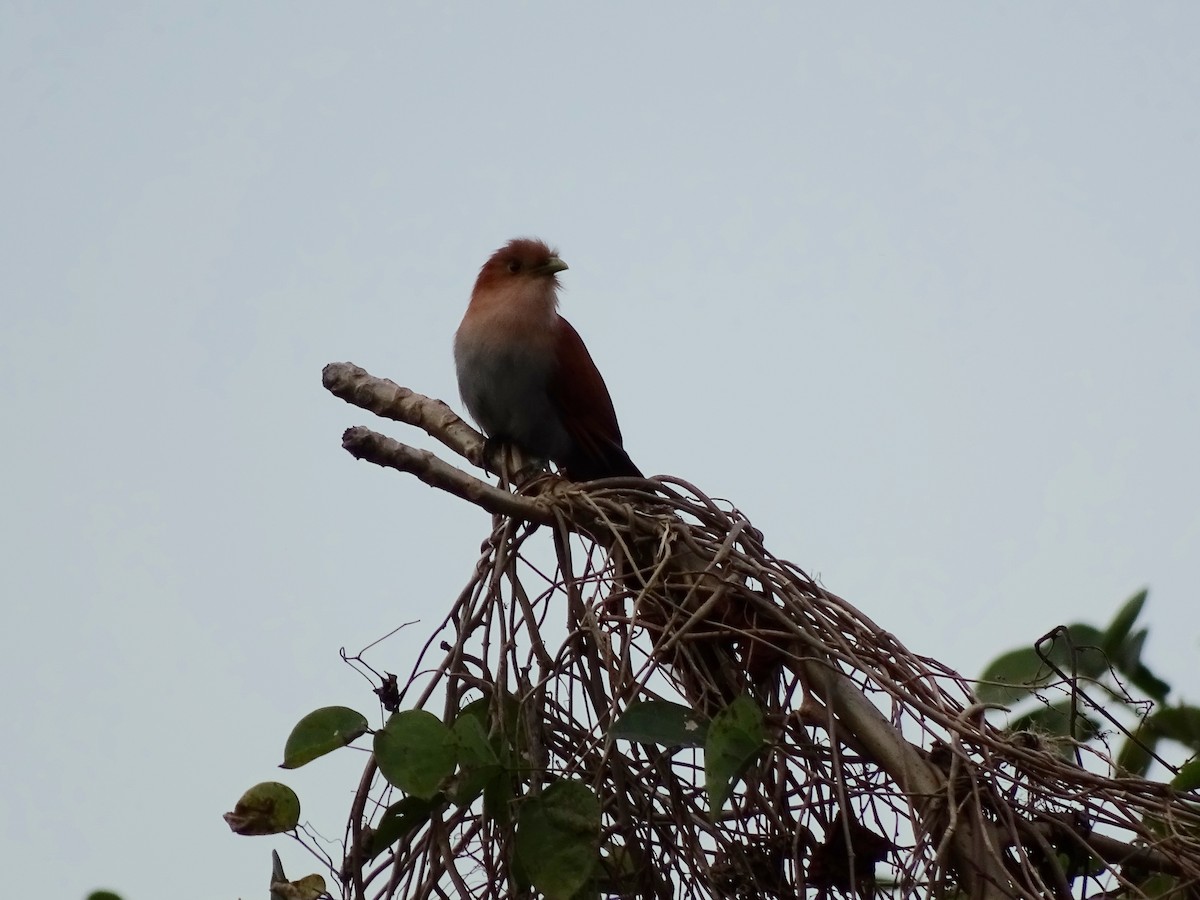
(267, 808)
(389, 693)
(310, 887)
(320, 732)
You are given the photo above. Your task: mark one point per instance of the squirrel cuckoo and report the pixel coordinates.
(527, 378)
(524, 373)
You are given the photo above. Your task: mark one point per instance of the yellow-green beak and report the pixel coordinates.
(552, 266)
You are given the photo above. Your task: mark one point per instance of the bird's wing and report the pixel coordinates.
(579, 394)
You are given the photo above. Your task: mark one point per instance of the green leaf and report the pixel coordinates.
(1135, 756)
(103, 895)
(477, 760)
(1011, 676)
(321, 732)
(503, 725)
(401, 818)
(1188, 777)
(267, 808)
(1179, 723)
(617, 873)
(661, 722)
(470, 736)
(735, 737)
(498, 796)
(416, 752)
(1056, 720)
(558, 838)
(1084, 654)
(1157, 886)
(478, 709)
(507, 740)
(1128, 655)
(519, 884)
(1145, 680)
(1122, 623)
(1014, 675)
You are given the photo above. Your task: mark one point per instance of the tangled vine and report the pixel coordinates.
(729, 727)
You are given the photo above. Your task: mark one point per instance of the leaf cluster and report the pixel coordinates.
(479, 756)
(1080, 682)
(1083, 683)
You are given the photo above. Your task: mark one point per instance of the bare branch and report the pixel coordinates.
(362, 443)
(391, 401)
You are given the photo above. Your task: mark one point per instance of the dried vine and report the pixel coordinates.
(881, 766)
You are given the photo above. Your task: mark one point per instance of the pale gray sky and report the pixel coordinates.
(913, 285)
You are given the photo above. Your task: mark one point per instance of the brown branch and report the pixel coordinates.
(362, 443)
(391, 401)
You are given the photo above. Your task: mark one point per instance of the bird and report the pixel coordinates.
(524, 373)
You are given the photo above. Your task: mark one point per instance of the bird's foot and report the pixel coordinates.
(508, 462)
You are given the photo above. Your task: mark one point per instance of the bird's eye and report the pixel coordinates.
(514, 267)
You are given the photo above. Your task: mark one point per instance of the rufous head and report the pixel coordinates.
(522, 261)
